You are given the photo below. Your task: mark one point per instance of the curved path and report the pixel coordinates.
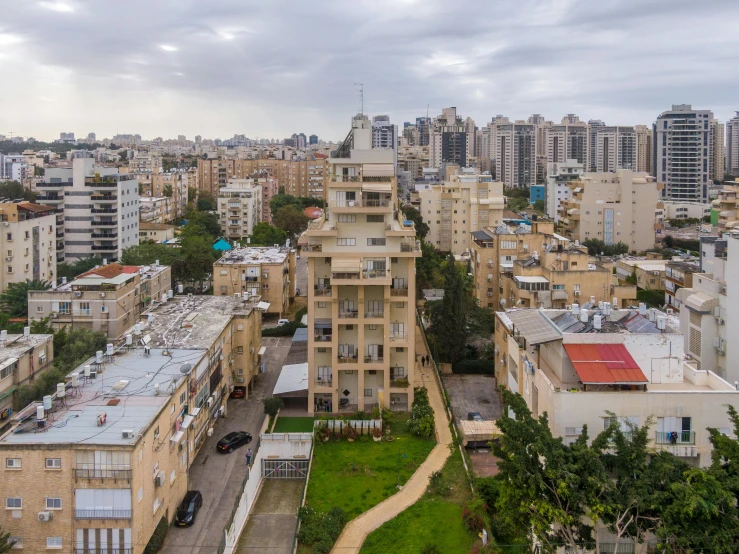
(356, 530)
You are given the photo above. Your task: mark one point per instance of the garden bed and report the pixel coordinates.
(293, 425)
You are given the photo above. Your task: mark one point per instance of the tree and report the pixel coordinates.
(546, 486)
(266, 235)
(291, 220)
(198, 257)
(202, 223)
(412, 214)
(540, 206)
(14, 190)
(205, 203)
(281, 200)
(70, 271)
(518, 204)
(428, 269)
(123, 156)
(14, 299)
(272, 405)
(168, 190)
(451, 322)
(6, 545)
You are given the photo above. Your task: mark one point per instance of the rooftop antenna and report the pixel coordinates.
(361, 94)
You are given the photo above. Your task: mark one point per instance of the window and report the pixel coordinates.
(376, 242)
(265, 285)
(85, 308)
(10, 269)
(8, 371)
(53, 542)
(9, 236)
(400, 304)
(324, 373)
(13, 463)
(375, 218)
(367, 392)
(346, 242)
(239, 349)
(321, 304)
(156, 432)
(65, 308)
(53, 463)
(17, 542)
(347, 218)
(558, 287)
(12, 503)
(53, 503)
(157, 503)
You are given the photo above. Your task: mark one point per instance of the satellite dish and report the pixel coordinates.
(502, 302)
(185, 368)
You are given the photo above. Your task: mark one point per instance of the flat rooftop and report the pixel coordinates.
(16, 345)
(192, 322)
(124, 389)
(252, 255)
(111, 274)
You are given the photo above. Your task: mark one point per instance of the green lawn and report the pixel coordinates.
(293, 425)
(433, 520)
(356, 476)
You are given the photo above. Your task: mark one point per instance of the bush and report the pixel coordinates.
(157, 538)
(438, 485)
(421, 421)
(272, 405)
(286, 330)
(300, 313)
(320, 529)
(478, 367)
(474, 515)
(430, 549)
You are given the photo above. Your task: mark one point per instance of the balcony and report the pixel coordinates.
(414, 246)
(107, 550)
(60, 234)
(102, 514)
(105, 248)
(374, 315)
(324, 381)
(319, 290)
(559, 294)
(123, 474)
(348, 359)
(398, 337)
(399, 292)
(103, 198)
(47, 184)
(104, 210)
(323, 338)
(95, 223)
(675, 437)
(400, 383)
(108, 236)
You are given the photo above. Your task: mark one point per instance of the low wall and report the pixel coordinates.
(362, 426)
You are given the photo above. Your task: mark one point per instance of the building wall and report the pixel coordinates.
(683, 210)
(644, 162)
(155, 233)
(32, 362)
(732, 145)
(239, 208)
(28, 249)
(515, 154)
(648, 277)
(717, 160)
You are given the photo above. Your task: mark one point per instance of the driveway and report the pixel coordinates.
(219, 476)
(473, 393)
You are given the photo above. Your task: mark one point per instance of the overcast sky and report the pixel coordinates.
(272, 68)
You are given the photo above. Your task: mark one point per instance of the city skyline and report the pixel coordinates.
(217, 70)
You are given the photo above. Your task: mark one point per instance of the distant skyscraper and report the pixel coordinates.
(91, 137)
(313, 139)
(566, 141)
(643, 148)
(452, 140)
(732, 145)
(682, 152)
(407, 124)
(422, 124)
(716, 164)
(385, 135)
(515, 154)
(593, 126)
(615, 148)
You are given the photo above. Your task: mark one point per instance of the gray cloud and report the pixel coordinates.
(167, 67)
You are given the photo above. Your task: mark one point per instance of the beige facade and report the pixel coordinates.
(108, 299)
(361, 286)
(465, 202)
(676, 209)
(726, 206)
(28, 235)
(239, 207)
(678, 275)
(157, 232)
(22, 359)
(612, 207)
(157, 209)
(269, 272)
(558, 372)
(650, 274)
(717, 159)
(643, 149)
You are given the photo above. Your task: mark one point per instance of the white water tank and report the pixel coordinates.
(576, 309)
(105, 261)
(75, 379)
(597, 322)
(156, 263)
(3, 335)
(652, 315)
(61, 392)
(87, 371)
(99, 357)
(661, 322)
(39, 412)
(164, 297)
(170, 293)
(47, 402)
(584, 315)
(180, 289)
(615, 303)
(642, 308)
(26, 331)
(109, 349)
(137, 328)
(129, 340)
(592, 300)
(606, 308)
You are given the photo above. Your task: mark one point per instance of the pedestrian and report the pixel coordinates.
(428, 360)
(248, 457)
(423, 361)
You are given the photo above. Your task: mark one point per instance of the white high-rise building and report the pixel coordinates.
(682, 152)
(515, 154)
(615, 148)
(593, 126)
(452, 140)
(566, 141)
(558, 175)
(732, 145)
(239, 207)
(97, 210)
(385, 135)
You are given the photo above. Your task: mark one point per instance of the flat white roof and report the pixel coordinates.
(531, 279)
(293, 379)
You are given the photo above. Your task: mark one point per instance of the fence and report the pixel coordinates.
(302, 502)
(362, 426)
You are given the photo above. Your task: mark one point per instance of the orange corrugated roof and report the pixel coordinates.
(604, 364)
(111, 270)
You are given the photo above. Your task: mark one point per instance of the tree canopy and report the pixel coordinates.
(14, 299)
(596, 247)
(449, 321)
(412, 214)
(71, 270)
(281, 200)
(14, 190)
(267, 235)
(291, 220)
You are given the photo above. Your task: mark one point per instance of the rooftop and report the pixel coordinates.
(255, 255)
(146, 226)
(111, 274)
(16, 345)
(192, 321)
(644, 263)
(124, 389)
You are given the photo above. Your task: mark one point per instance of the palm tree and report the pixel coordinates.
(14, 299)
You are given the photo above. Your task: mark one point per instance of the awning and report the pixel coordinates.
(262, 350)
(345, 265)
(531, 279)
(7, 363)
(378, 170)
(322, 324)
(177, 437)
(533, 326)
(186, 421)
(605, 364)
(700, 302)
(292, 382)
(560, 237)
(263, 306)
(7, 392)
(377, 187)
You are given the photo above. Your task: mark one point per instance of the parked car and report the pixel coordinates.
(474, 416)
(233, 441)
(281, 322)
(188, 509)
(238, 392)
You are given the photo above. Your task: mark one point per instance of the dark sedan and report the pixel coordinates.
(232, 441)
(238, 392)
(188, 509)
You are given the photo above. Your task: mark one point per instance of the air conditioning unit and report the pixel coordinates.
(239, 379)
(104, 309)
(210, 401)
(102, 295)
(9, 259)
(490, 294)
(45, 516)
(127, 434)
(78, 294)
(160, 479)
(670, 311)
(577, 293)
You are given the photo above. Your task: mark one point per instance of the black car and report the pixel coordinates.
(474, 416)
(233, 440)
(188, 509)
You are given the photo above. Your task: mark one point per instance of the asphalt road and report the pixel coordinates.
(219, 476)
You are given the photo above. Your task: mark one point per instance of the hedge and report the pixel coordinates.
(286, 330)
(157, 538)
(474, 367)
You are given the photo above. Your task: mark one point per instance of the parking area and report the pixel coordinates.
(473, 393)
(219, 476)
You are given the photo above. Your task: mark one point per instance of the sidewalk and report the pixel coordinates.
(356, 530)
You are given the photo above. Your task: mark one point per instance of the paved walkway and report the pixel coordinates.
(356, 530)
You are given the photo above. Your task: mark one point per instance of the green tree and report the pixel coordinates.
(266, 235)
(291, 220)
(450, 323)
(412, 214)
(14, 190)
(272, 405)
(518, 204)
(205, 202)
(123, 155)
(540, 206)
(198, 257)
(428, 269)
(70, 271)
(14, 299)
(168, 190)
(202, 223)
(6, 545)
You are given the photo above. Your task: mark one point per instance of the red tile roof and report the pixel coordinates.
(111, 270)
(604, 364)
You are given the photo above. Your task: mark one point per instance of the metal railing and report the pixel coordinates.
(375, 273)
(105, 248)
(100, 473)
(675, 437)
(399, 292)
(323, 338)
(103, 235)
(102, 514)
(103, 550)
(348, 314)
(325, 382)
(374, 315)
(109, 223)
(348, 360)
(374, 359)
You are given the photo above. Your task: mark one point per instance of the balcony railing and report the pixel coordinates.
(105, 248)
(102, 514)
(323, 338)
(47, 184)
(675, 437)
(104, 210)
(321, 291)
(103, 235)
(400, 383)
(101, 550)
(374, 315)
(348, 359)
(399, 292)
(414, 246)
(373, 359)
(349, 314)
(375, 273)
(103, 474)
(104, 223)
(397, 337)
(324, 381)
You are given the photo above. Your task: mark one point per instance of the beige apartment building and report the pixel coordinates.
(239, 207)
(22, 359)
(717, 157)
(650, 274)
(157, 209)
(28, 235)
(265, 271)
(108, 298)
(643, 149)
(172, 185)
(466, 201)
(587, 366)
(156, 232)
(612, 207)
(133, 423)
(305, 178)
(361, 285)
(726, 206)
